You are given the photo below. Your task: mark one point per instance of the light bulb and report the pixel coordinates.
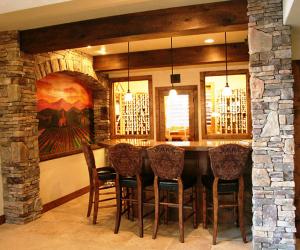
(173, 93)
(128, 97)
(227, 91)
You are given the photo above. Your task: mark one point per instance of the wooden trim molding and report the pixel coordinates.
(160, 92)
(62, 200)
(237, 52)
(185, 20)
(112, 110)
(2, 219)
(65, 154)
(296, 73)
(203, 108)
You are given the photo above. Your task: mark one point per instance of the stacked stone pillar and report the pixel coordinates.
(18, 132)
(273, 129)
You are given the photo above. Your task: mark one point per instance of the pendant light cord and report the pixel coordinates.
(172, 61)
(172, 53)
(226, 70)
(128, 68)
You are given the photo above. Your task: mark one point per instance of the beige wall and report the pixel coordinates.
(190, 75)
(62, 176)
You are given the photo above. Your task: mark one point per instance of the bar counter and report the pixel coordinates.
(196, 152)
(203, 145)
(196, 163)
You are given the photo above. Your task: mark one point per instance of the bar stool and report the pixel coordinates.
(167, 162)
(100, 179)
(227, 163)
(127, 162)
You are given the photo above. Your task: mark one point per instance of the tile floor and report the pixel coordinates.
(66, 227)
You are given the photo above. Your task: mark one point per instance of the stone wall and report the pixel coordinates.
(273, 129)
(18, 132)
(18, 123)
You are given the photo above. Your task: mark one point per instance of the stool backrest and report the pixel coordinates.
(228, 161)
(126, 159)
(89, 157)
(167, 161)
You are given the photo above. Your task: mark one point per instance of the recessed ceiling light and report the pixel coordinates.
(102, 50)
(209, 40)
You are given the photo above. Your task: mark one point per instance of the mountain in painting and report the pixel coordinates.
(61, 104)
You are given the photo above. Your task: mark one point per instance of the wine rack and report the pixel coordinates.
(134, 116)
(232, 118)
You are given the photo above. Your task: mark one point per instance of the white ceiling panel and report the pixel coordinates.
(28, 16)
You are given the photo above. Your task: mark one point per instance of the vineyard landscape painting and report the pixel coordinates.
(65, 114)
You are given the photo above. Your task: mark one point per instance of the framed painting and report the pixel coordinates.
(65, 114)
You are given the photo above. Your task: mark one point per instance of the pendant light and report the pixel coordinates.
(128, 95)
(227, 90)
(175, 78)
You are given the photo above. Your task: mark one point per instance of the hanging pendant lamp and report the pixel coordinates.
(175, 78)
(227, 90)
(128, 95)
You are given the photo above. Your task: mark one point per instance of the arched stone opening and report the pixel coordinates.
(69, 106)
(19, 126)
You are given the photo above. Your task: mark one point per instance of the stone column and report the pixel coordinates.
(273, 129)
(18, 132)
(101, 115)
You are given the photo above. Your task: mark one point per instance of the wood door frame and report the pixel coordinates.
(112, 106)
(160, 110)
(203, 108)
(296, 74)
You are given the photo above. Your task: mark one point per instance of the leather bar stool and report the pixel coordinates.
(127, 162)
(167, 163)
(100, 179)
(228, 163)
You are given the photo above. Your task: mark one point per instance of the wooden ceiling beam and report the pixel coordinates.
(187, 20)
(237, 52)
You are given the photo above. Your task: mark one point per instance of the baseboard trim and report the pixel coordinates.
(53, 204)
(2, 219)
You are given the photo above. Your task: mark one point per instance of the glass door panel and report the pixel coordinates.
(177, 118)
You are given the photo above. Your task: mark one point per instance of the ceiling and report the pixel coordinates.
(165, 43)
(22, 15)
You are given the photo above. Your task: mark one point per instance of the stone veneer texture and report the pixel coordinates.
(18, 132)
(18, 123)
(273, 129)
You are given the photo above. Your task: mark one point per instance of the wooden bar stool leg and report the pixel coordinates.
(241, 208)
(180, 210)
(166, 208)
(236, 209)
(215, 208)
(156, 196)
(91, 200)
(127, 203)
(119, 205)
(204, 207)
(96, 205)
(140, 205)
(195, 224)
(131, 204)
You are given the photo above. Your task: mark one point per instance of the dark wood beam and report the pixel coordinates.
(237, 52)
(195, 19)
